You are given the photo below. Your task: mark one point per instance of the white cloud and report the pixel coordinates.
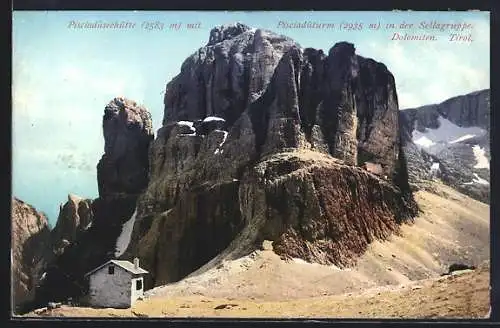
(481, 31)
(57, 118)
(39, 95)
(431, 72)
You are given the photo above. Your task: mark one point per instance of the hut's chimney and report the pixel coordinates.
(136, 263)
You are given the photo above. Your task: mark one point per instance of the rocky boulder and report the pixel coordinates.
(30, 245)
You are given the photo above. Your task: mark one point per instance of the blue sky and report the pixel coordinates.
(63, 77)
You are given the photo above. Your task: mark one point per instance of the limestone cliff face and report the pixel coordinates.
(228, 166)
(87, 230)
(75, 216)
(340, 102)
(30, 241)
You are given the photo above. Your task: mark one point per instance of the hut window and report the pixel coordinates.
(138, 284)
(111, 269)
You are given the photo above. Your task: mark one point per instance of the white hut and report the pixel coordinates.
(374, 168)
(116, 284)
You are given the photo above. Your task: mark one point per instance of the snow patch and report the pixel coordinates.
(213, 118)
(447, 132)
(219, 150)
(465, 137)
(435, 169)
(187, 123)
(482, 161)
(480, 180)
(477, 179)
(423, 141)
(124, 238)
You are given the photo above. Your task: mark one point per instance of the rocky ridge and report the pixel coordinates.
(75, 216)
(30, 241)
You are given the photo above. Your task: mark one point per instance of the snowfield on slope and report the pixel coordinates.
(219, 150)
(213, 118)
(482, 161)
(124, 238)
(447, 132)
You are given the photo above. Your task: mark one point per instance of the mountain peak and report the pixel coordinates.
(227, 31)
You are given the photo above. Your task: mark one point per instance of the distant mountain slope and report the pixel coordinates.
(450, 141)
